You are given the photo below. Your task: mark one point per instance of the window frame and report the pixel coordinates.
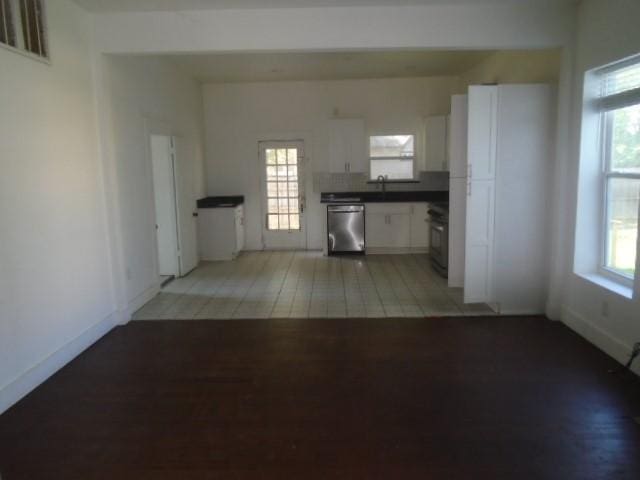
(287, 147)
(16, 21)
(413, 158)
(606, 105)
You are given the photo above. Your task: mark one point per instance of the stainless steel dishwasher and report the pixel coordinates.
(345, 228)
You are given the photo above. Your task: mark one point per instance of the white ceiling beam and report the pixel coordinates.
(329, 29)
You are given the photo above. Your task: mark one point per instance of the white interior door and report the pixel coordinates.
(186, 204)
(283, 200)
(165, 205)
(480, 221)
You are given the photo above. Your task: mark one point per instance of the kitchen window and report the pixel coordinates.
(22, 26)
(619, 110)
(392, 156)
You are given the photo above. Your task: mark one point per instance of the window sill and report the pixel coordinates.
(608, 284)
(26, 53)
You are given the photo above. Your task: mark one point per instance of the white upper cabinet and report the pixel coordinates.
(436, 148)
(347, 146)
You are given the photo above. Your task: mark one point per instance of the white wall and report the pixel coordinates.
(141, 96)
(237, 116)
(607, 31)
(515, 66)
(56, 295)
(77, 249)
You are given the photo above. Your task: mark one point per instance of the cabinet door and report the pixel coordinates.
(239, 223)
(457, 219)
(376, 230)
(478, 270)
(419, 226)
(338, 148)
(217, 235)
(358, 161)
(399, 230)
(482, 132)
(347, 146)
(458, 136)
(436, 143)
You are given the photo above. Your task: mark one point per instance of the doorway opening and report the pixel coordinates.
(166, 211)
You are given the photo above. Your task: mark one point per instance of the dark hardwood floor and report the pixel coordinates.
(445, 398)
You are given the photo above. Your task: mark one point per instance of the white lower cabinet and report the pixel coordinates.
(396, 226)
(376, 230)
(239, 223)
(220, 232)
(420, 226)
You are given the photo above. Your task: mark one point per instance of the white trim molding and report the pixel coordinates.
(13, 392)
(598, 337)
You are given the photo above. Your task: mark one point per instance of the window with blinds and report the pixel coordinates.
(22, 26)
(619, 106)
(7, 30)
(621, 79)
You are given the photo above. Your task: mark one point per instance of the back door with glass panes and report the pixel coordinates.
(283, 197)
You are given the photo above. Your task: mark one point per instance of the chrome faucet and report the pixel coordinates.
(381, 179)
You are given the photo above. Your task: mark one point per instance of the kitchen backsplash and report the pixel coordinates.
(357, 182)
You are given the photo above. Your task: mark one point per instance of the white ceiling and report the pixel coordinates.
(251, 67)
(175, 5)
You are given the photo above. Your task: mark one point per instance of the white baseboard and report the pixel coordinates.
(29, 380)
(598, 337)
(395, 250)
(515, 312)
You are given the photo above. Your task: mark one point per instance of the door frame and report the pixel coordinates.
(305, 139)
(155, 126)
(186, 212)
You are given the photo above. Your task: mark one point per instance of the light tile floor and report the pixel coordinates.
(308, 284)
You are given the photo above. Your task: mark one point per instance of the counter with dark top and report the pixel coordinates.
(225, 201)
(387, 197)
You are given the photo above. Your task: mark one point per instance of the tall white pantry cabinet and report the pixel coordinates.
(509, 157)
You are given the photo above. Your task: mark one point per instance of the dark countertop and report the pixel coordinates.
(225, 201)
(388, 197)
